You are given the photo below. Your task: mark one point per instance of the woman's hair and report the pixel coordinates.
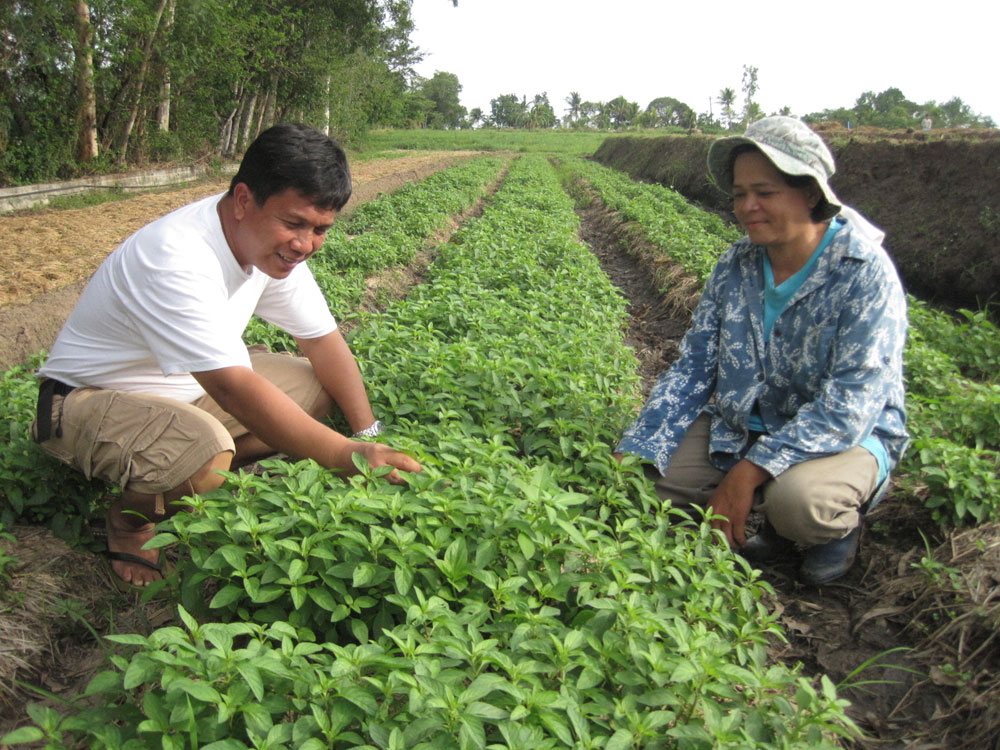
(820, 211)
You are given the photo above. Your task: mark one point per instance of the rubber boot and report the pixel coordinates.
(828, 562)
(766, 545)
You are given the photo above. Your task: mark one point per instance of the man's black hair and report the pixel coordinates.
(293, 155)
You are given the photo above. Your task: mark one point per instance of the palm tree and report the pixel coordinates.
(727, 98)
(574, 101)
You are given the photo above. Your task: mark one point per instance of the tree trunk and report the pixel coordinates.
(147, 55)
(234, 131)
(267, 118)
(245, 125)
(86, 142)
(163, 109)
(326, 106)
(226, 131)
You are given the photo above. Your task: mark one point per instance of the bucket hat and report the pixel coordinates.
(792, 147)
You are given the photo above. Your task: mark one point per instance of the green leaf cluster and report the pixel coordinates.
(953, 404)
(34, 488)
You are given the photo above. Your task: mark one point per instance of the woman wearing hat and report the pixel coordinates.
(787, 396)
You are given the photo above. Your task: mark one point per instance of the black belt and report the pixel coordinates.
(43, 422)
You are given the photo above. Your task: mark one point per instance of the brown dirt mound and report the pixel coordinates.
(934, 193)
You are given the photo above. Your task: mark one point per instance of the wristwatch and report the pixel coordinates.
(373, 430)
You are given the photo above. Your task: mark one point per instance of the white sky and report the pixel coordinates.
(810, 55)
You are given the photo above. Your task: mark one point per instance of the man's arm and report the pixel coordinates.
(278, 421)
(337, 370)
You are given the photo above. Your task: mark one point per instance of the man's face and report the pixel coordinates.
(279, 235)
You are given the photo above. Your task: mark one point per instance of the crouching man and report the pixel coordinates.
(149, 384)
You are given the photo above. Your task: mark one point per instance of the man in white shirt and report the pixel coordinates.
(149, 384)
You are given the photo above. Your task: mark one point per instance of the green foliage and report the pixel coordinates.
(337, 63)
(524, 590)
(35, 488)
(953, 404)
(689, 236)
(442, 92)
(891, 109)
(559, 141)
(666, 111)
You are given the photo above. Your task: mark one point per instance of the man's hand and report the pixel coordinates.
(382, 455)
(733, 499)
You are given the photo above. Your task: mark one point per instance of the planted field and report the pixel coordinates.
(524, 589)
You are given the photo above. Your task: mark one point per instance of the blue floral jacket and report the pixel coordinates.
(830, 375)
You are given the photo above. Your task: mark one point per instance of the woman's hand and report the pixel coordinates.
(733, 499)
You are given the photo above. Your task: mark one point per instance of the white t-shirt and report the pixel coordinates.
(172, 300)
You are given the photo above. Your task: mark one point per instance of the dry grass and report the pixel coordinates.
(949, 599)
(49, 580)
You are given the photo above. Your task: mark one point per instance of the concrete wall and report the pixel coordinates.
(27, 196)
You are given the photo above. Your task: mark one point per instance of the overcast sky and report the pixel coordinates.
(809, 56)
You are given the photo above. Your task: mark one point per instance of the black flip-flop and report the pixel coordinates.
(130, 558)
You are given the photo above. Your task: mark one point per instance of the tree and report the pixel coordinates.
(541, 114)
(140, 80)
(595, 115)
(508, 111)
(726, 100)
(666, 110)
(957, 114)
(621, 112)
(86, 142)
(573, 113)
(442, 91)
(750, 86)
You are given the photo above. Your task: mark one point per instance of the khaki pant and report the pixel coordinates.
(811, 503)
(151, 444)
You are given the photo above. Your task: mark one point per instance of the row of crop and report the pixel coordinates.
(689, 236)
(386, 232)
(381, 233)
(953, 405)
(954, 418)
(524, 590)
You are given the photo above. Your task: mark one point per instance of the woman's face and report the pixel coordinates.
(771, 212)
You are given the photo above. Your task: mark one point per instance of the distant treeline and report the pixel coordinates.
(91, 86)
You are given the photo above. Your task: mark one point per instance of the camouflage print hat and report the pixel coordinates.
(792, 147)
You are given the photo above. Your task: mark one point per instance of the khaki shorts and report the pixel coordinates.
(152, 444)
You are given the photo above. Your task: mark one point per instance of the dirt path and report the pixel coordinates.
(46, 256)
